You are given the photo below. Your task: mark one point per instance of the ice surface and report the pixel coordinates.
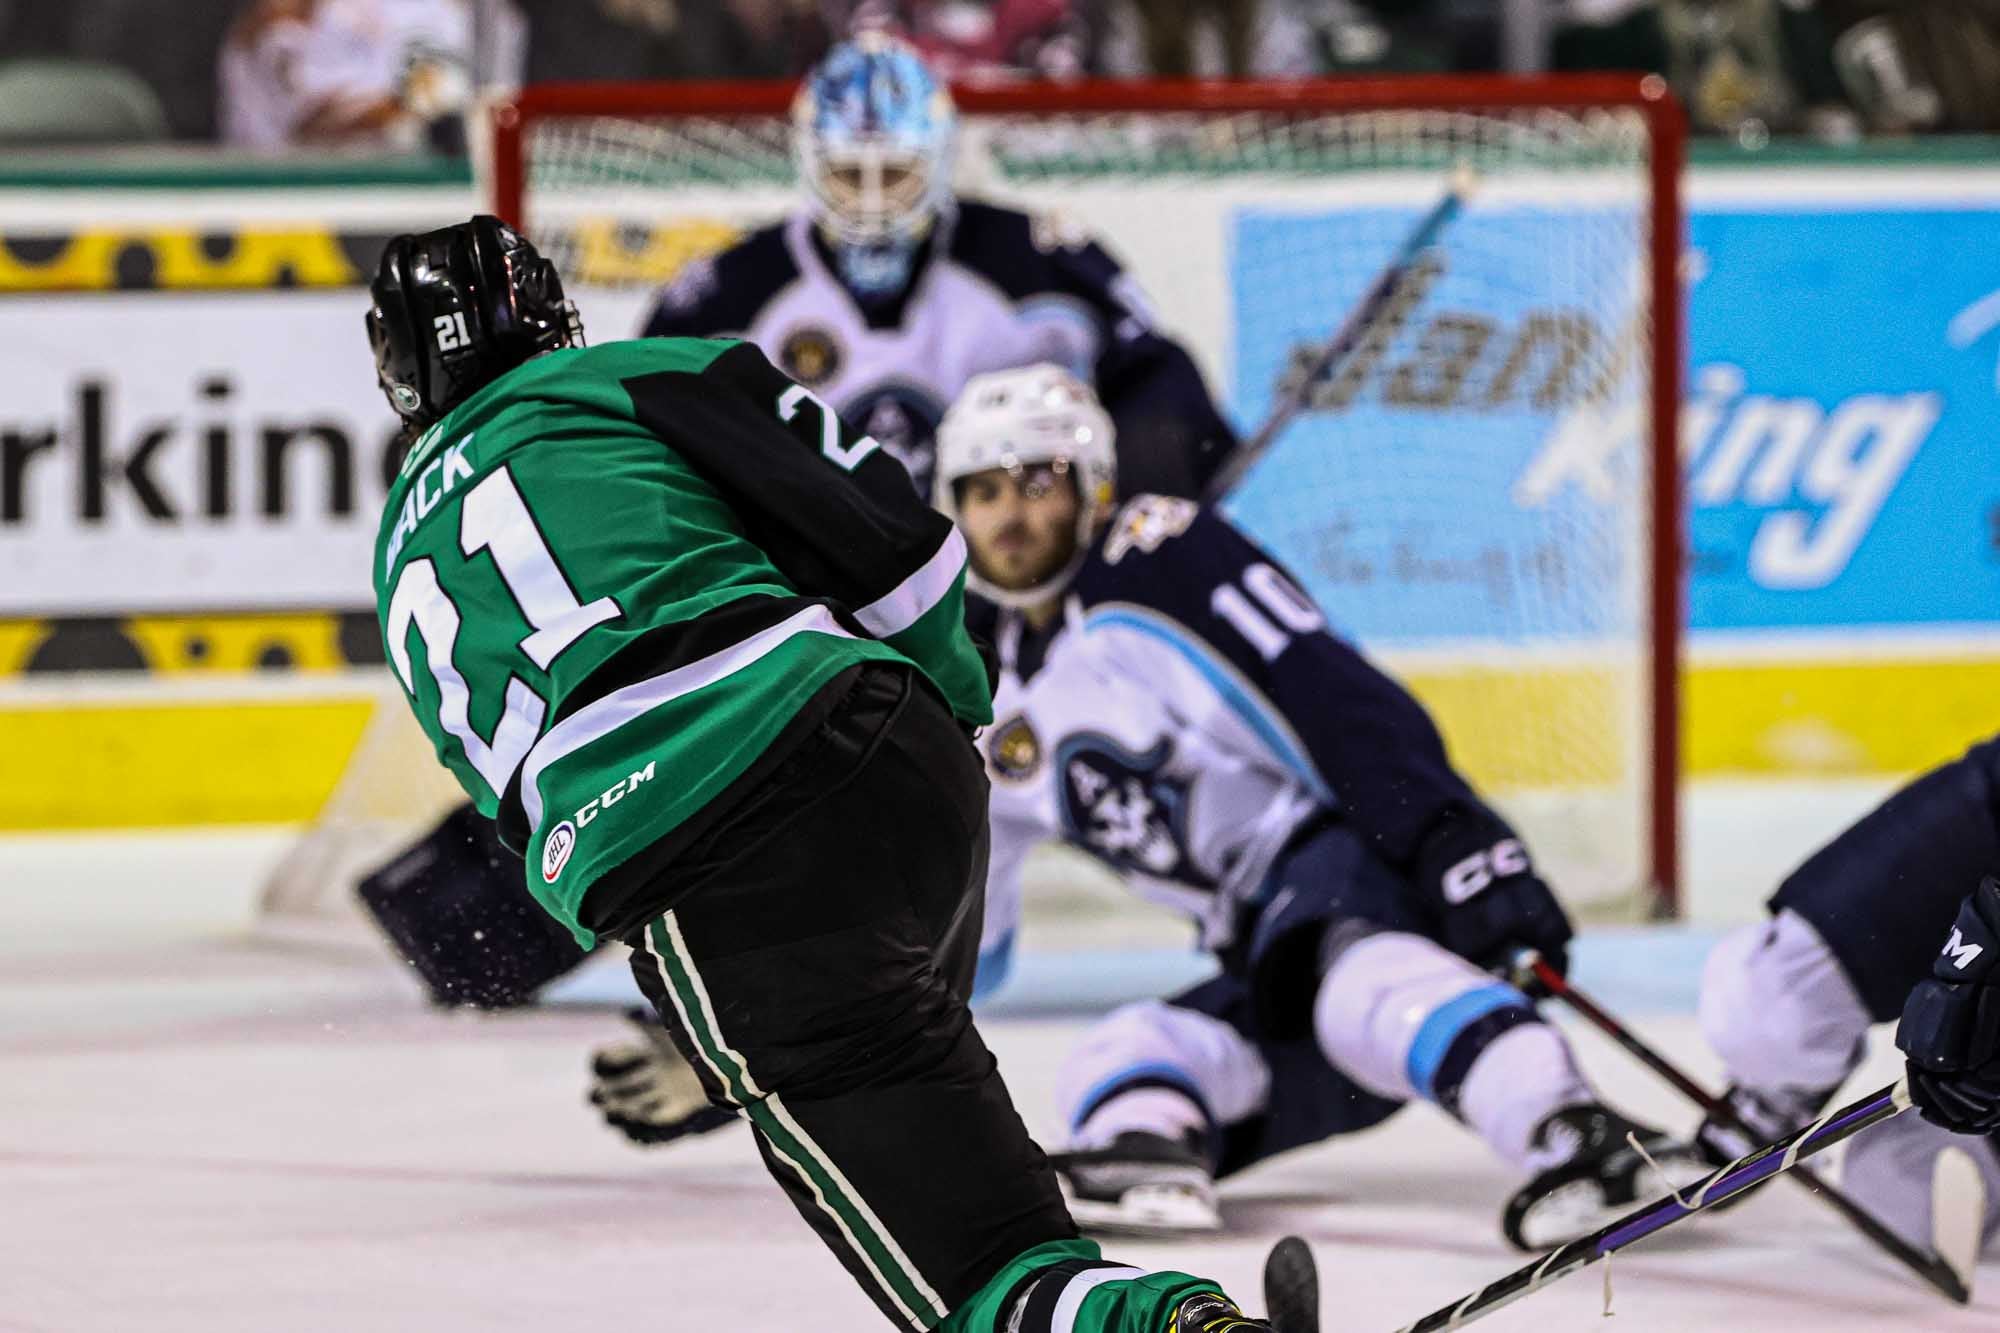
(203, 1133)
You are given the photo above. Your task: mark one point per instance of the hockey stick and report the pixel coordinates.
(1391, 287)
(1635, 1226)
(1931, 1266)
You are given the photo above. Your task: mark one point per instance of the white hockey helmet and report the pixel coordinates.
(1015, 419)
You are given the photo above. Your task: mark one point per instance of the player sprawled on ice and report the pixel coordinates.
(701, 651)
(1172, 704)
(886, 292)
(1787, 1002)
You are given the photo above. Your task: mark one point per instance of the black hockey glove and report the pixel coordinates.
(647, 1092)
(1487, 894)
(1951, 1024)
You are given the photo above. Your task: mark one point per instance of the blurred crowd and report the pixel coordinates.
(398, 75)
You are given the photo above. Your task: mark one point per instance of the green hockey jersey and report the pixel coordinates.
(611, 578)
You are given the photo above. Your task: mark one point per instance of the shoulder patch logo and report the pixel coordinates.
(1015, 751)
(1146, 522)
(556, 849)
(809, 355)
(1056, 231)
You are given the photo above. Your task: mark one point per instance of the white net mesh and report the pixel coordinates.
(1468, 496)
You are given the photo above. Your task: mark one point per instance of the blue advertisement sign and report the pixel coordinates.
(1842, 425)
(1469, 472)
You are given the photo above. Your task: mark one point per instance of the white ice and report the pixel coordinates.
(200, 1131)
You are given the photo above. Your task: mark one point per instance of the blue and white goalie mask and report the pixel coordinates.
(872, 131)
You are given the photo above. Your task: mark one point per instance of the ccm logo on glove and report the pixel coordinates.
(1476, 873)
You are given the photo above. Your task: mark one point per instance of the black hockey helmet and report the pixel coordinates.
(457, 308)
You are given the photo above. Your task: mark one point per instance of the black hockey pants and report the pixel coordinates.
(814, 969)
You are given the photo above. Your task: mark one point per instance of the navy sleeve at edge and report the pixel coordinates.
(1370, 741)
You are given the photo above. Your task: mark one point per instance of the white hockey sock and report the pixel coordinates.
(1405, 1017)
(1514, 1085)
(1145, 1110)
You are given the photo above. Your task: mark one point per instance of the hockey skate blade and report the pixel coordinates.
(1958, 1214)
(1291, 1287)
(1146, 1210)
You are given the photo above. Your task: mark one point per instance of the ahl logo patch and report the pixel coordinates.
(556, 849)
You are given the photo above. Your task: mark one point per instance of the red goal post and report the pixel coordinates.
(1642, 103)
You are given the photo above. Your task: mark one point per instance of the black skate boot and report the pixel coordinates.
(1602, 1177)
(1144, 1184)
(1769, 1113)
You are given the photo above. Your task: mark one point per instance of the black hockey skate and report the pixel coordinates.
(1144, 1184)
(1769, 1114)
(1602, 1178)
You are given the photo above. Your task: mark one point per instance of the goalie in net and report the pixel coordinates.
(887, 291)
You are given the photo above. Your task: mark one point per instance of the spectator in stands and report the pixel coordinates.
(170, 47)
(1916, 65)
(580, 40)
(996, 39)
(375, 75)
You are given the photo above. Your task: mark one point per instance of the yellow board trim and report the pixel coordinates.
(1836, 719)
(1529, 727)
(96, 766)
(167, 762)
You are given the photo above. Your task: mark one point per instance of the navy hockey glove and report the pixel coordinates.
(1951, 1024)
(1490, 900)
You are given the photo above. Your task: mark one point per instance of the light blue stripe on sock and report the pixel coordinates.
(1441, 1029)
(1154, 1072)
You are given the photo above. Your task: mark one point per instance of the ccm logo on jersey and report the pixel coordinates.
(1962, 955)
(1476, 873)
(561, 842)
(618, 792)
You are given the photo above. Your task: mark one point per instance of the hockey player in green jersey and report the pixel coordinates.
(700, 650)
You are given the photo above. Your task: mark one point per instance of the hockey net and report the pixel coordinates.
(1482, 494)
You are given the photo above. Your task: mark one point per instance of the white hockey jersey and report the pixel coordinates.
(993, 289)
(1188, 713)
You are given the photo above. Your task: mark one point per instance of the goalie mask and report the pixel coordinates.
(872, 132)
(1012, 420)
(457, 308)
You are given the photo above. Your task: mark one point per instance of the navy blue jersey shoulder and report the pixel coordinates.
(724, 293)
(1167, 552)
(1171, 437)
(1009, 249)
(1372, 746)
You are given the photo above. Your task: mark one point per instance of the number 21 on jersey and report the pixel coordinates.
(493, 518)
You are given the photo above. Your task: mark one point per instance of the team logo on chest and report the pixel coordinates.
(1014, 751)
(810, 355)
(1124, 808)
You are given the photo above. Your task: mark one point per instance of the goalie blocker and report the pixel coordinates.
(455, 907)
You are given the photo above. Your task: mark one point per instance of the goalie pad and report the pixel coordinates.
(455, 907)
